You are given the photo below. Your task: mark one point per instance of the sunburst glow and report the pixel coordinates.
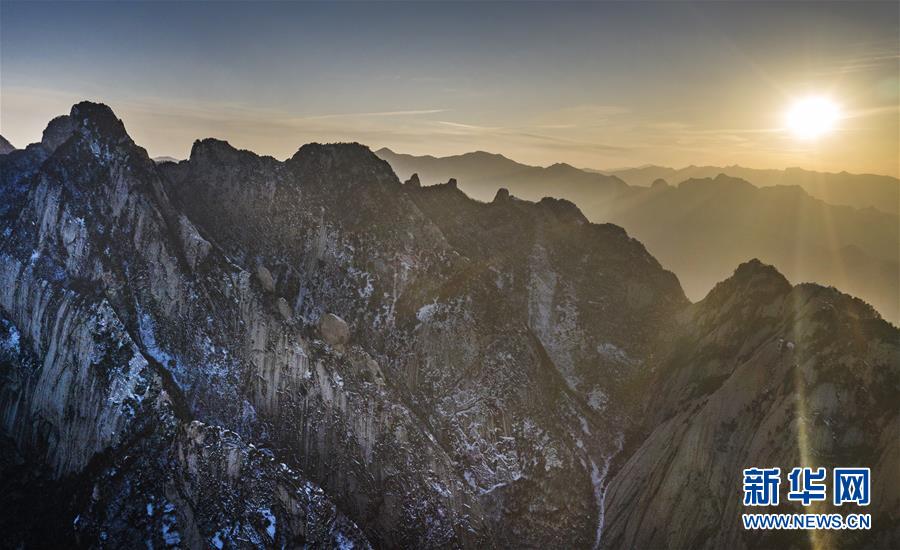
(812, 117)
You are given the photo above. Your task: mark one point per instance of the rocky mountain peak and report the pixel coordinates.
(212, 150)
(341, 161)
(99, 120)
(753, 285)
(6, 146)
(338, 152)
(413, 181)
(96, 130)
(57, 131)
(564, 211)
(755, 271)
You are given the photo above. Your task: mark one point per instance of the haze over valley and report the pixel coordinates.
(701, 226)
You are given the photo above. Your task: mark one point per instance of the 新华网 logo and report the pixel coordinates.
(762, 487)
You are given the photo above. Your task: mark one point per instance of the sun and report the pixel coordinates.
(812, 117)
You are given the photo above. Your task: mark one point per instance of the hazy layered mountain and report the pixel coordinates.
(233, 351)
(480, 175)
(701, 228)
(857, 190)
(5, 146)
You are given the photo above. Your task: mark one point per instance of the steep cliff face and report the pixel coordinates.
(94, 259)
(332, 231)
(762, 374)
(433, 409)
(596, 300)
(234, 350)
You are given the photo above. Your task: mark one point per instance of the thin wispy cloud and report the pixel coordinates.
(411, 112)
(875, 58)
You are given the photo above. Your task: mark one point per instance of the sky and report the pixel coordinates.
(595, 85)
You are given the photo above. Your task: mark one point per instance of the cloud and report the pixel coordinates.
(573, 144)
(877, 57)
(472, 128)
(374, 114)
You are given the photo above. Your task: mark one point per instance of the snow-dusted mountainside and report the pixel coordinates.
(233, 351)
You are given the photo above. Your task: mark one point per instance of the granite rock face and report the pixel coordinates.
(236, 351)
(94, 260)
(446, 341)
(762, 374)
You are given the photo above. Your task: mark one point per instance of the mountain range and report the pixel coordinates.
(703, 226)
(237, 351)
(856, 190)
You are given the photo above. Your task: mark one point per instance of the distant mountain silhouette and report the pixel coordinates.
(698, 228)
(858, 190)
(483, 173)
(702, 227)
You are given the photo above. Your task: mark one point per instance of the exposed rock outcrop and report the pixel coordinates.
(58, 131)
(264, 276)
(413, 181)
(334, 330)
(284, 309)
(5, 146)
